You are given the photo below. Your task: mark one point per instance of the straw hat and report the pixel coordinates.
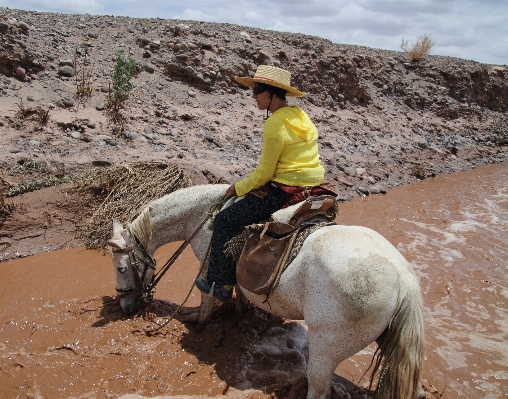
(272, 76)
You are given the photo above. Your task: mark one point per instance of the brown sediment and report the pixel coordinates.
(64, 335)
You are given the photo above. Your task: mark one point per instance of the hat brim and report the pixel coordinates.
(251, 82)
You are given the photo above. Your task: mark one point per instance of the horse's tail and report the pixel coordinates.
(400, 351)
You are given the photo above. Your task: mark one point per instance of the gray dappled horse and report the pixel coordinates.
(349, 284)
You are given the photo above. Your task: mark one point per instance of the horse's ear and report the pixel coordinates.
(116, 243)
(117, 227)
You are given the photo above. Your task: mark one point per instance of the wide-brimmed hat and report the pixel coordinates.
(272, 76)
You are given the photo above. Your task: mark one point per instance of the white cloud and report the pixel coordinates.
(60, 6)
(470, 29)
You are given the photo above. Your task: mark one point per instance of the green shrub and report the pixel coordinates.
(124, 70)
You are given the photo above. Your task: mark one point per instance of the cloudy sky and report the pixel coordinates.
(470, 29)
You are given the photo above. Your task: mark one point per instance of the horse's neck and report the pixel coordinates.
(176, 216)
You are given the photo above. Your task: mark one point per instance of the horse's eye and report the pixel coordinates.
(122, 269)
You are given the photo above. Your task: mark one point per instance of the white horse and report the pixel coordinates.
(349, 284)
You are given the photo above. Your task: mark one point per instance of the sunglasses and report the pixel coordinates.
(257, 90)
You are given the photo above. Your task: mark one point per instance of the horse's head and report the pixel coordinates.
(133, 266)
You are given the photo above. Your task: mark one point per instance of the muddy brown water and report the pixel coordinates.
(63, 335)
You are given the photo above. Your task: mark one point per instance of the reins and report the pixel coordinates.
(149, 291)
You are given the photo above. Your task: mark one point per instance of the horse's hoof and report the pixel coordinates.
(192, 318)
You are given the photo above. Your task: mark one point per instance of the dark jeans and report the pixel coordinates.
(251, 209)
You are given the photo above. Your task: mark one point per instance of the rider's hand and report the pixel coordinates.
(231, 191)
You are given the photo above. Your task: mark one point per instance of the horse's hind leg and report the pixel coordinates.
(326, 351)
(241, 302)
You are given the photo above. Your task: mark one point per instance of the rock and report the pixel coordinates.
(23, 26)
(67, 63)
(68, 102)
(20, 72)
(374, 190)
(90, 125)
(4, 25)
(104, 137)
(100, 107)
(350, 171)
(30, 98)
(101, 162)
(14, 150)
(360, 171)
(77, 135)
(345, 183)
(66, 71)
(363, 190)
(191, 93)
(150, 68)
(131, 136)
(148, 130)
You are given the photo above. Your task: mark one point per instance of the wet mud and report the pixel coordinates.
(63, 334)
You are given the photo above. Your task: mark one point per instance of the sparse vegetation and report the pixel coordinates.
(420, 49)
(37, 184)
(83, 79)
(124, 70)
(40, 176)
(6, 208)
(40, 114)
(419, 171)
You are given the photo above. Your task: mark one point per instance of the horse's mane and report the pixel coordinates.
(190, 193)
(142, 227)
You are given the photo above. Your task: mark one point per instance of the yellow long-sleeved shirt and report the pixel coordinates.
(289, 154)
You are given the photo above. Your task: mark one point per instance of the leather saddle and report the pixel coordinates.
(269, 247)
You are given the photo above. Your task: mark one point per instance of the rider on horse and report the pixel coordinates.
(288, 170)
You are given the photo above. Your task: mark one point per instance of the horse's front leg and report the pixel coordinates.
(207, 301)
(241, 302)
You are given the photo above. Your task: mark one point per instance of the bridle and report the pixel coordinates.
(147, 291)
(140, 265)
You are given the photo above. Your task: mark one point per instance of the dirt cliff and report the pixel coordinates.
(383, 120)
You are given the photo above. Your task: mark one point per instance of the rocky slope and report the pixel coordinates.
(383, 121)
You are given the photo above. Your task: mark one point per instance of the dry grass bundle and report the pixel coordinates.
(126, 188)
(420, 49)
(40, 114)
